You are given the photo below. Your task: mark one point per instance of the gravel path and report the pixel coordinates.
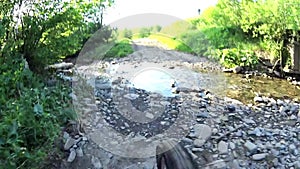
(217, 132)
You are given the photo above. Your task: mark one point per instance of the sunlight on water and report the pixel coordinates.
(154, 80)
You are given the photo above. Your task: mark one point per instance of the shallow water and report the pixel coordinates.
(222, 84)
(244, 89)
(154, 81)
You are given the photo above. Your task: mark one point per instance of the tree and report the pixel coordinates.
(127, 33)
(44, 31)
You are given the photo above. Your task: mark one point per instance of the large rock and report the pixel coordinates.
(202, 131)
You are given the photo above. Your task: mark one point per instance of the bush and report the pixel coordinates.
(237, 57)
(144, 32)
(31, 115)
(120, 49)
(197, 41)
(127, 34)
(171, 43)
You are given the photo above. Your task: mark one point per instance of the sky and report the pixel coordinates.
(134, 13)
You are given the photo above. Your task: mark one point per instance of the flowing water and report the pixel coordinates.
(244, 89)
(222, 84)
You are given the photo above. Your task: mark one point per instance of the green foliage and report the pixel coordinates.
(144, 32)
(245, 25)
(127, 34)
(157, 28)
(177, 28)
(30, 115)
(120, 49)
(46, 31)
(236, 57)
(171, 43)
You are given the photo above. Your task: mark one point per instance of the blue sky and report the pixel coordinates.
(181, 9)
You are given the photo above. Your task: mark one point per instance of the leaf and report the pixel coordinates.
(38, 109)
(13, 134)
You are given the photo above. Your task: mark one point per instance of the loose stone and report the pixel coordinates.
(258, 157)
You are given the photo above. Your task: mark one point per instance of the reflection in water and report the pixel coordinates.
(154, 80)
(221, 84)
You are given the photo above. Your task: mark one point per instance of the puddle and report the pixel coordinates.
(154, 80)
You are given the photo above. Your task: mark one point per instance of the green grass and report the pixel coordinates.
(171, 43)
(120, 49)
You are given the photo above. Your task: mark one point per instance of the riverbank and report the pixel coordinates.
(219, 132)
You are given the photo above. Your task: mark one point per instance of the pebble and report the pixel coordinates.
(72, 156)
(199, 142)
(232, 145)
(250, 146)
(223, 147)
(268, 126)
(69, 143)
(258, 157)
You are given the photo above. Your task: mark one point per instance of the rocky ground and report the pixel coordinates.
(217, 132)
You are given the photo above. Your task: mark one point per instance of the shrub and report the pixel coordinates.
(120, 49)
(171, 42)
(30, 115)
(237, 57)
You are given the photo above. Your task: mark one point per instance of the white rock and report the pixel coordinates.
(258, 157)
(69, 143)
(131, 96)
(202, 131)
(250, 146)
(232, 145)
(149, 115)
(199, 142)
(223, 147)
(66, 135)
(72, 156)
(62, 65)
